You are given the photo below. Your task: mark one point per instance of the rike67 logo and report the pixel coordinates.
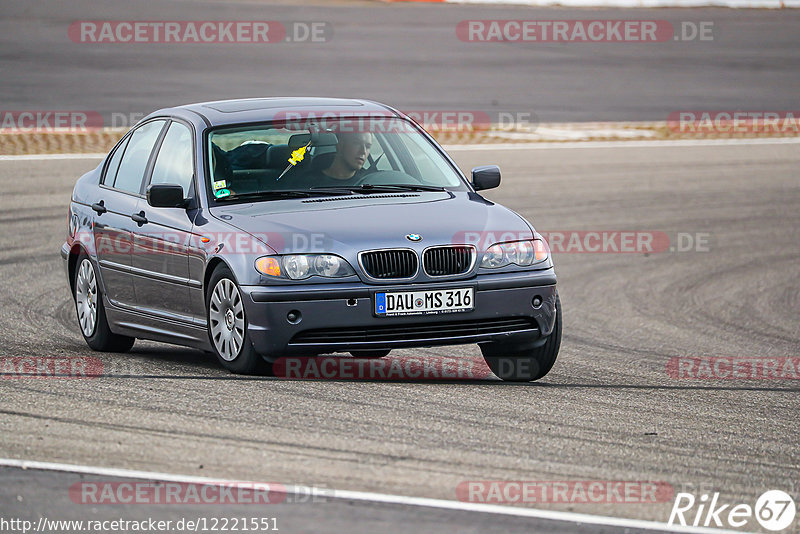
(774, 510)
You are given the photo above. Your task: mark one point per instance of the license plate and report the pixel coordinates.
(391, 304)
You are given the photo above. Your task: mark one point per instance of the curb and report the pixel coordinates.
(59, 142)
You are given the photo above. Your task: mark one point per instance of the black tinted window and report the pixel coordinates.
(174, 163)
(134, 161)
(113, 164)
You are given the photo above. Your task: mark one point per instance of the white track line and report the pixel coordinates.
(37, 157)
(626, 144)
(371, 497)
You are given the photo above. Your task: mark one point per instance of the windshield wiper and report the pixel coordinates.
(380, 188)
(412, 187)
(281, 193)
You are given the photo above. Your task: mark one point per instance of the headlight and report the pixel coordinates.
(493, 257)
(522, 253)
(328, 265)
(296, 267)
(72, 222)
(302, 266)
(526, 254)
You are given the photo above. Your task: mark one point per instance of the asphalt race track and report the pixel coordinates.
(406, 55)
(44, 496)
(609, 410)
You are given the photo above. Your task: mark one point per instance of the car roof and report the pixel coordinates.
(248, 110)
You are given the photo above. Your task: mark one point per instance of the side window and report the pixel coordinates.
(134, 161)
(113, 164)
(431, 166)
(175, 161)
(382, 153)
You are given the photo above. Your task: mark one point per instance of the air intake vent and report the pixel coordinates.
(424, 331)
(448, 260)
(389, 264)
(358, 197)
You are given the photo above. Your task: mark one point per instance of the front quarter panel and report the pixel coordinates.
(215, 242)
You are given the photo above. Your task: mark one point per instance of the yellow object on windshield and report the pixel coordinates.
(298, 155)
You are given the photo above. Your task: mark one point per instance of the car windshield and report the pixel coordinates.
(344, 156)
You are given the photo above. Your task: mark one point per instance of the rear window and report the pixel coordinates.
(113, 164)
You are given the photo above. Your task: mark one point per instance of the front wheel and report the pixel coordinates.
(227, 326)
(525, 366)
(92, 313)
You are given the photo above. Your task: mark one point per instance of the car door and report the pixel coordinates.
(160, 258)
(117, 199)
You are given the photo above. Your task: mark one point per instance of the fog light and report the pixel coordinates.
(294, 316)
(537, 302)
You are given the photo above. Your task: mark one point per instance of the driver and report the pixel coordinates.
(352, 151)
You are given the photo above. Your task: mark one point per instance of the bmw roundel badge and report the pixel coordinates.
(414, 237)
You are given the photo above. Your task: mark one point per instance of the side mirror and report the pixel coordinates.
(485, 177)
(165, 196)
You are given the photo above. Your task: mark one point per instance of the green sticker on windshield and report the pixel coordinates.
(222, 193)
(219, 184)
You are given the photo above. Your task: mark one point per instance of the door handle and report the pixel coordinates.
(99, 207)
(139, 218)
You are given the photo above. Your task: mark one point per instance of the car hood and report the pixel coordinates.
(346, 225)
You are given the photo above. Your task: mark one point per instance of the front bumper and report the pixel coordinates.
(339, 317)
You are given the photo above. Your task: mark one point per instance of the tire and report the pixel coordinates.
(91, 311)
(375, 353)
(227, 326)
(527, 365)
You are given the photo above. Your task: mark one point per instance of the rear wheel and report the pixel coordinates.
(227, 326)
(92, 313)
(525, 365)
